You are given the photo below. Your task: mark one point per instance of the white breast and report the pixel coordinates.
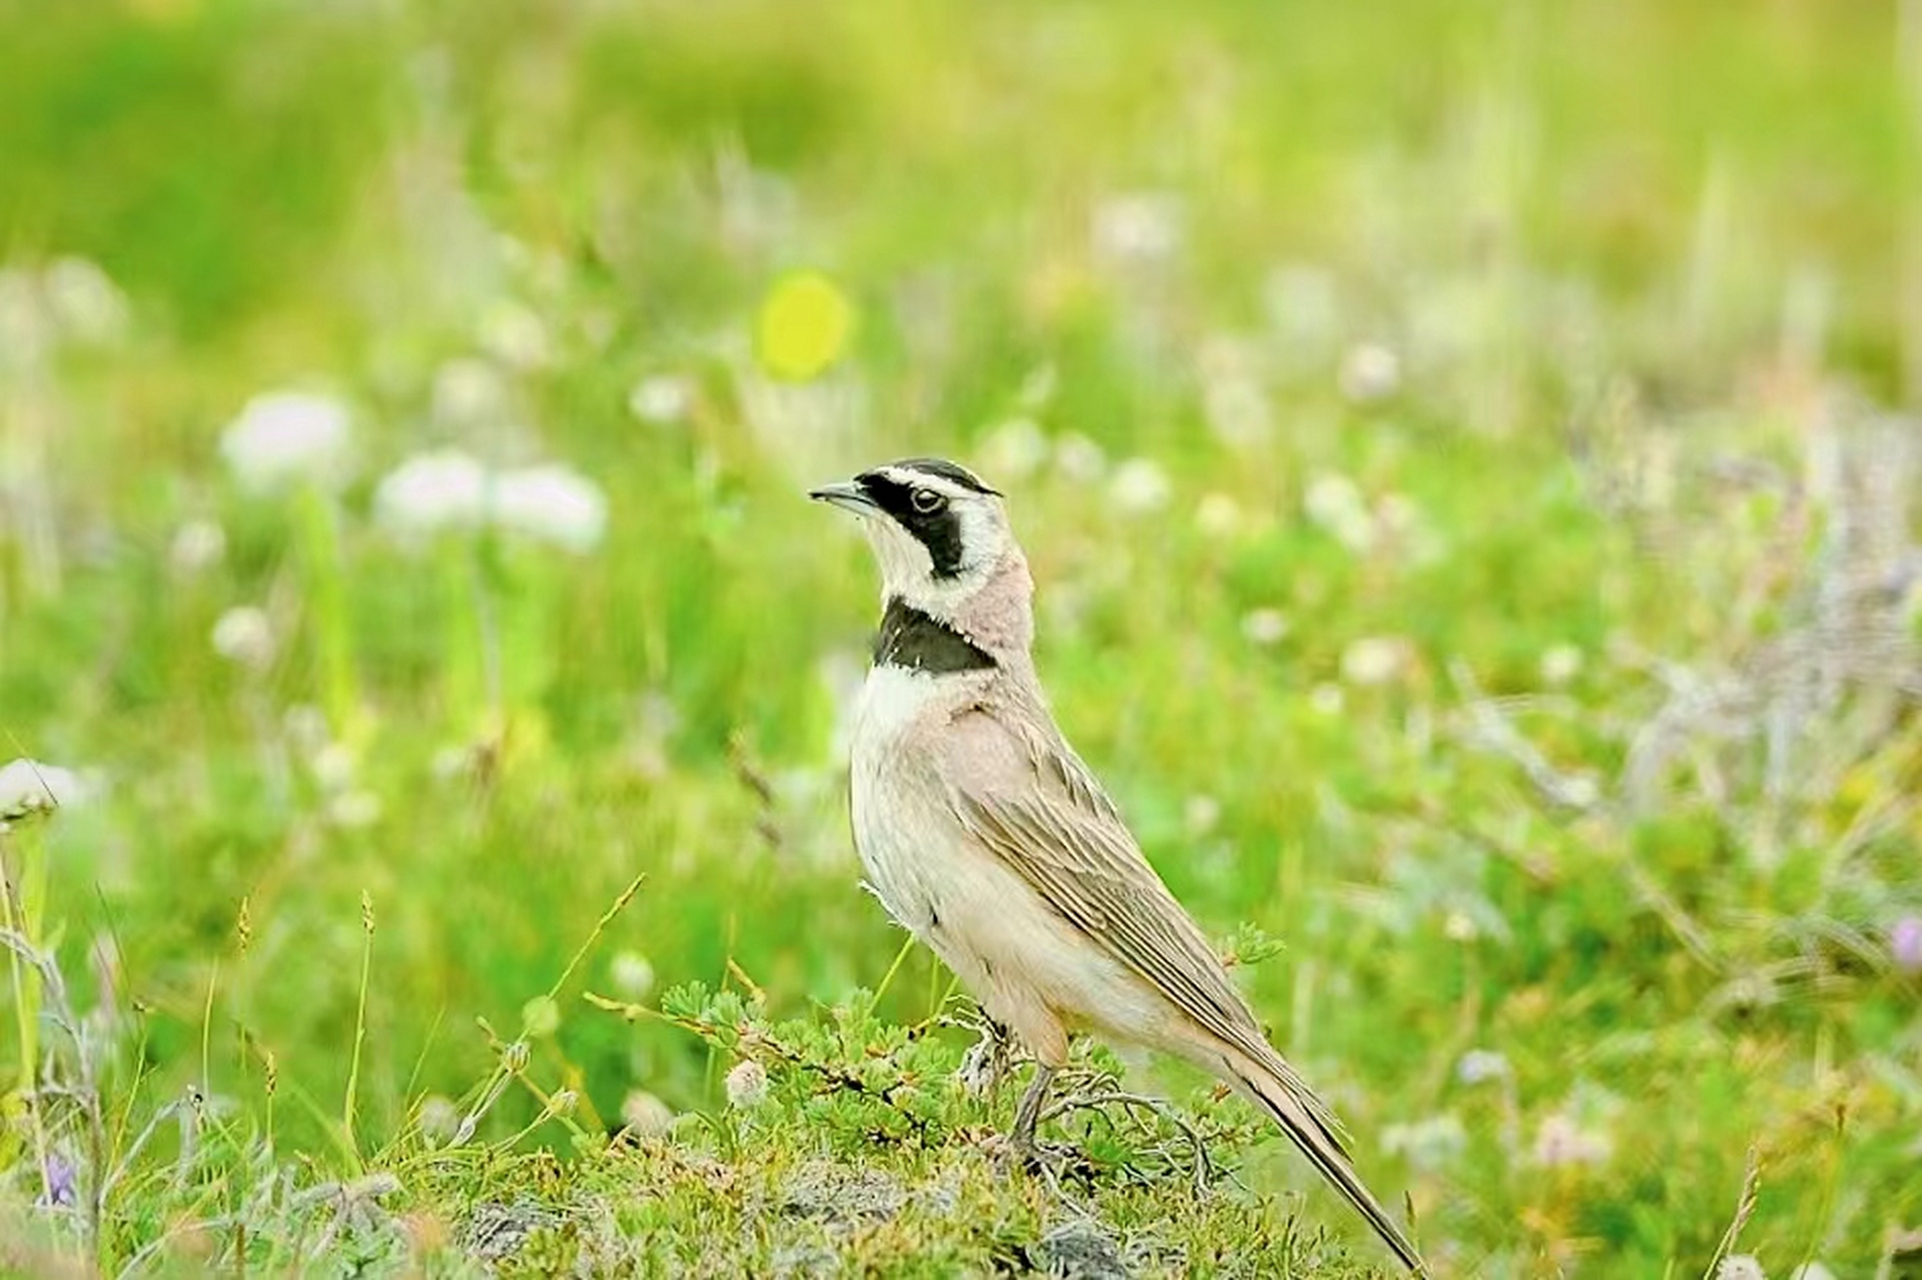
(893, 853)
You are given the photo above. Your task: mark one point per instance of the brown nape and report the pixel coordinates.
(997, 616)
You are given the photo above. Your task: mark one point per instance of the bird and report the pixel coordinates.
(982, 832)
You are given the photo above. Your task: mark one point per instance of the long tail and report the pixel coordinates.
(1281, 1093)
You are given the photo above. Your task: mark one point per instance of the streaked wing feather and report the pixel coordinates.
(1060, 832)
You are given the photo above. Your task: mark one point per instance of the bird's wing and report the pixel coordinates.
(1026, 796)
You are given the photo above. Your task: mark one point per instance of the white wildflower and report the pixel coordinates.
(1264, 626)
(469, 391)
(1561, 1142)
(354, 810)
(197, 546)
(288, 436)
(1014, 450)
(1080, 459)
(644, 1113)
(1237, 411)
(1479, 1065)
(1217, 515)
(306, 728)
(1376, 660)
(1429, 1143)
(663, 398)
(27, 785)
(1201, 815)
(85, 301)
(1327, 699)
(551, 503)
(244, 635)
(1560, 664)
(334, 766)
(1741, 1266)
(1137, 226)
(1334, 503)
(438, 1117)
(515, 336)
(1370, 372)
(1139, 486)
(747, 1084)
(630, 974)
(431, 493)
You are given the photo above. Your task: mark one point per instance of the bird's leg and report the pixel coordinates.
(1028, 1114)
(987, 1061)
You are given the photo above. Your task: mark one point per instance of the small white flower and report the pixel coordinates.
(1237, 411)
(1014, 450)
(354, 810)
(631, 976)
(1080, 459)
(644, 1113)
(1741, 1266)
(1264, 626)
(747, 1084)
(306, 727)
(1370, 372)
(1560, 664)
(1218, 515)
(438, 1117)
(1139, 486)
(1334, 503)
(432, 493)
(1376, 660)
(553, 504)
(85, 301)
(515, 336)
(198, 545)
(1561, 1142)
(334, 766)
(663, 398)
(469, 392)
(244, 635)
(27, 785)
(1137, 226)
(1201, 814)
(287, 436)
(1429, 1143)
(1478, 1065)
(1327, 699)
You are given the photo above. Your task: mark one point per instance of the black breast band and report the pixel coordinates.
(912, 640)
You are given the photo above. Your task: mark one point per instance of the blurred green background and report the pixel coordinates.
(1454, 442)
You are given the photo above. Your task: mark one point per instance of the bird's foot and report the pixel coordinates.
(1051, 1162)
(988, 1061)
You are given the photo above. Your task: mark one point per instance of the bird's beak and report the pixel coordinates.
(845, 494)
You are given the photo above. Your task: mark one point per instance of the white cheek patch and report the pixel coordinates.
(907, 568)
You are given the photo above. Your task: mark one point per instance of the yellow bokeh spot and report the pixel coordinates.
(803, 327)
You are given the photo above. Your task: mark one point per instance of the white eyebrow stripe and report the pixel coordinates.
(940, 484)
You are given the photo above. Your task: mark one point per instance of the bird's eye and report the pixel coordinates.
(927, 501)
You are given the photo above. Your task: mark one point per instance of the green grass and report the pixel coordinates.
(1549, 698)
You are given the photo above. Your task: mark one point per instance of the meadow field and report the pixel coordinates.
(1466, 452)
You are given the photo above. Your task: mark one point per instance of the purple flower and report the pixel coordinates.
(1905, 944)
(62, 1181)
